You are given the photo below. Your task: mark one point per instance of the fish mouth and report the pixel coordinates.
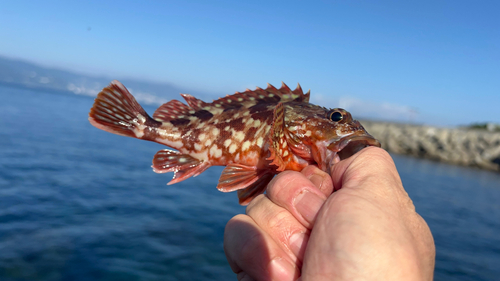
(348, 146)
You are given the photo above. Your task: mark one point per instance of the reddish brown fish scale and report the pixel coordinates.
(236, 124)
(250, 134)
(188, 141)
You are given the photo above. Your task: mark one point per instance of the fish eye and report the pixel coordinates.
(336, 116)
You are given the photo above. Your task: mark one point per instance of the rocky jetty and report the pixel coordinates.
(478, 148)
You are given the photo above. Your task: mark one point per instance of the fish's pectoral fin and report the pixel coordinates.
(116, 111)
(184, 166)
(278, 140)
(248, 180)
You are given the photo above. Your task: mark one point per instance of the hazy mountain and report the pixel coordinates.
(29, 75)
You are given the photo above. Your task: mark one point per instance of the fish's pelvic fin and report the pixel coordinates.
(258, 187)
(184, 166)
(249, 181)
(116, 111)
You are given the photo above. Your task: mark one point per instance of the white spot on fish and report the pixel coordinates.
(227, 143)
(239, 136)
(202, 137)
(308, 133)
(215, 131)
(232, 148)
(208, 143)
(245, 146)
(260, 141)
(215, 151)
(285, 153)
(197, 146)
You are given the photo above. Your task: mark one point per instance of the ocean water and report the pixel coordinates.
(77, 203)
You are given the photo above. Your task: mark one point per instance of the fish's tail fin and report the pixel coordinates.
(115, 110)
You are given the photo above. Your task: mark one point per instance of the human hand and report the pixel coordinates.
(368, 229)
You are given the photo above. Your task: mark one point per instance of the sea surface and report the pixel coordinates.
(77, 203)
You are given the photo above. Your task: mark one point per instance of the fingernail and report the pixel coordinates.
(298, 242)
(308, 205)
(282, 270)
(317, 180)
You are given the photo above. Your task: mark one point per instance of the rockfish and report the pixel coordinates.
(255, 134)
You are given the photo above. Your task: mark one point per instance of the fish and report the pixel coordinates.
(256, 134)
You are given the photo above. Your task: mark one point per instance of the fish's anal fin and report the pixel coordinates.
(248, 180)
(116, 111)
(184, 166)
(278, 143)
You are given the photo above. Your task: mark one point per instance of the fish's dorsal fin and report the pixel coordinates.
(195, 103)
(249, 98)
(269, 95)
(172, 110)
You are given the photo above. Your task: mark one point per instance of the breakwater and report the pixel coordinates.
(478, 148)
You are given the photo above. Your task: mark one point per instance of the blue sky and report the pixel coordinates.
(380, 59)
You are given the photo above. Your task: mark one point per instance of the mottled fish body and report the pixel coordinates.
(255, 134)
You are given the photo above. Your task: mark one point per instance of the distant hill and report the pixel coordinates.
(24, 74)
